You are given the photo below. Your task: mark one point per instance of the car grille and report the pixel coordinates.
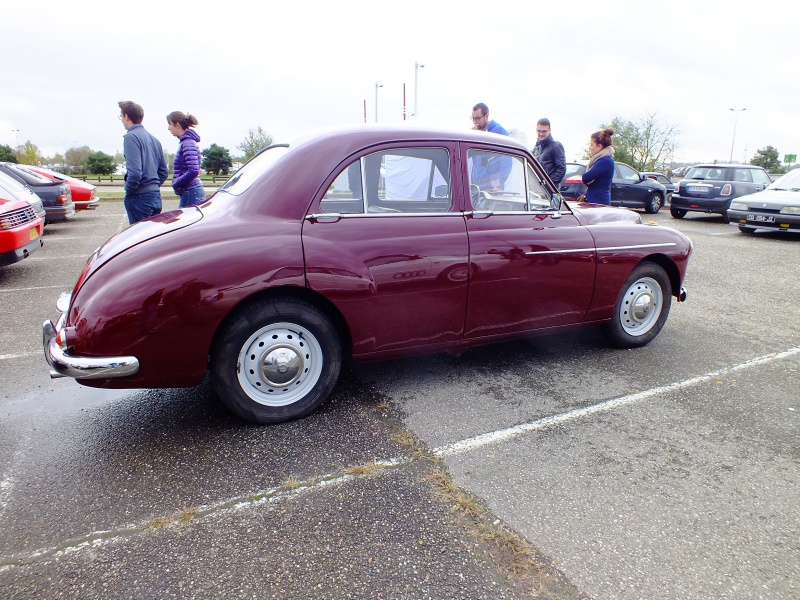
(15, 218)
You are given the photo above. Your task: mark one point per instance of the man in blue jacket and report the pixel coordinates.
(489, 169)
(145, 167)
(549, 152)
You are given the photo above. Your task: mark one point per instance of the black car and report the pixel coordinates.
(710, 188)
(629, 188)
(663, 180)
(56, 197)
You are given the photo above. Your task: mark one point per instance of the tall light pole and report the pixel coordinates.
(735, 121)
(16, 138)
(377, 85)
(416, 86)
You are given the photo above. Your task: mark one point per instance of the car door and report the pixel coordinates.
(532, 265)
(625, 189)
(760, 179)
(387, 245)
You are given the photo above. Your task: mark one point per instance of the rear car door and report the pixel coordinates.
(625, 189)
(389, 238)
(532, 264)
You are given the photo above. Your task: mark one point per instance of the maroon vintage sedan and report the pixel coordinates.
(366, 243)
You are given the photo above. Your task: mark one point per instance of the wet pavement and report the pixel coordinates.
(552, 468)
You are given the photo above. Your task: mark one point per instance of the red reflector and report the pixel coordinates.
(694, 206)
(573, 180)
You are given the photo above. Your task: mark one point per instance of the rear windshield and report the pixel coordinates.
(572, 169)
(712, 173)
(258, 165)
(31, 176)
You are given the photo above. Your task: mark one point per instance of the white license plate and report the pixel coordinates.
(761, 218)
(697, 188)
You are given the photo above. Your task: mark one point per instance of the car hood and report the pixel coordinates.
(137, 233)
(592, 214)
(771, 199)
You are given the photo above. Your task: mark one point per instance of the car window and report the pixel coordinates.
(31, 177)
(713, 173)
(497, 181)
(404, 180)
(573, 168)
(663, 179)
(760, 176)
(627, 173)
(538, 198)
(248, 174)
(742, 175)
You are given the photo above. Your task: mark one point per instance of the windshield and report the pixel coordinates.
(790, 181)
(258, 165)
(31, 176)
(713, 173)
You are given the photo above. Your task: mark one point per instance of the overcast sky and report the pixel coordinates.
(297, 65)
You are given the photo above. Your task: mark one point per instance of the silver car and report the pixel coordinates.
(12, 189)
(777, 207)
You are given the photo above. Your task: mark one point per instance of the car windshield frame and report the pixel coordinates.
(246, 176)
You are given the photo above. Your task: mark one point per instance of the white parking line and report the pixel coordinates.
(30, 289)
(494, 437)
(23, 355)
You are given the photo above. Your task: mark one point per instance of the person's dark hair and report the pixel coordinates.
(543, 121)
(603, 137)
(134, 111)
(483, 108)
(184, 120)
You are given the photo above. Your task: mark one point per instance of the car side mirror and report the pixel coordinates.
(557, 202)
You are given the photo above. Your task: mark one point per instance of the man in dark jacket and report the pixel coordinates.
(145, 166)
(549, 152)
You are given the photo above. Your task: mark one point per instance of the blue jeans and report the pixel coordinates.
(143, 205)
(196, 195)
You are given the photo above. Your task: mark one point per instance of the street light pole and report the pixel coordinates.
(416, 86)
(16, 138)
(377, 85)
(735, 121)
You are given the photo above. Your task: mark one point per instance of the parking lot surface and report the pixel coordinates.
(554, 467)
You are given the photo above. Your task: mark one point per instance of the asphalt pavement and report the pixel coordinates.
(554, 467)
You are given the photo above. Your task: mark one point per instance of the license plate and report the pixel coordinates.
(34, 233)
(697, 188)
(761, 218)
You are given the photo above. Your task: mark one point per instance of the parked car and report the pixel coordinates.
(20, 230)
(363, 243)
(84, 195)
(776, 208)
(12, 189)
(710, 188)
(56, 197)
(663, 180)
(629, 188)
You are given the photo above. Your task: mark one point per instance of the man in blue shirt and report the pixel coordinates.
(489, 170)
(145, 166)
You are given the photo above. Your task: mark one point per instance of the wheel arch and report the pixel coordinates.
(298, 293)
(669, 267)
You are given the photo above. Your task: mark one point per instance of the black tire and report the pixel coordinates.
(275, 361)
(677, 213)
(653, 204)
(642, 307)
(747, 230)
(725, 218)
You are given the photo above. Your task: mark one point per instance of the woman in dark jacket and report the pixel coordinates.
(186, 170)
(600, 170)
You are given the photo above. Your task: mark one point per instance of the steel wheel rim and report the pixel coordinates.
(641, 306)
(279, 364)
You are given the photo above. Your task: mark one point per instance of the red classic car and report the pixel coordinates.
(83, 194)
(367, 243)
(20, 231)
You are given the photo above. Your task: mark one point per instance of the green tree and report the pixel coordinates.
(7, 154)
(100, 163)
(76, 158)
(767, 158)
(29, 154)
(644, 144)
(255, 141)
(217, 160)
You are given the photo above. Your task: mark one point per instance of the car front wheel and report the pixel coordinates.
(276, 360)
(642, 307)
(677, 213)
(653, 204)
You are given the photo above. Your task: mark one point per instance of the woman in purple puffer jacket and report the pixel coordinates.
(186, 170)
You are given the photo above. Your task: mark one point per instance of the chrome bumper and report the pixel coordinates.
(64, 365)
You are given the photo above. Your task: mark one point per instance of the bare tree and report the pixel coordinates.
(255, 141)
(644, 144)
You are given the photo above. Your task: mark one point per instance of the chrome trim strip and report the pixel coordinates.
(605, 249)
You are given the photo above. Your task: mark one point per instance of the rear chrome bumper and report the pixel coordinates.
(62, 364)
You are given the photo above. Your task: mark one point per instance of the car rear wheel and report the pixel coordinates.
(677, 213)
(653, 204)
(642, 307)
(276, 360)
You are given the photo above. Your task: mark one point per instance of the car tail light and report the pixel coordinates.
(573, 180)
(726, 190)
(61, 199)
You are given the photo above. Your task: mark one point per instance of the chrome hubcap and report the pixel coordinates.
(641, 306)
